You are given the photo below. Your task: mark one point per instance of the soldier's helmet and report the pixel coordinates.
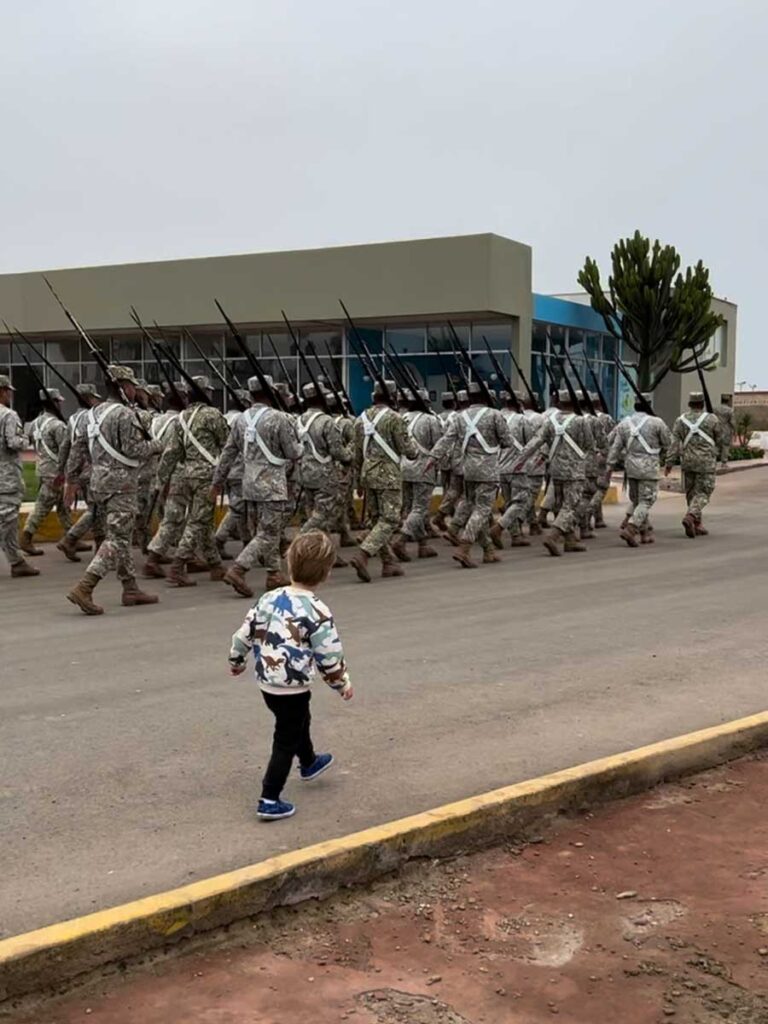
(503, 395)
(424, 395)
(521, 396)
(309, 391)
(243, 395)
(53, 393)
(696, 398)
(474, 390)
(5, 383)
(462, 396)
(564, 397)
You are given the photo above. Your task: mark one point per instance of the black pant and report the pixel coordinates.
(291, 739)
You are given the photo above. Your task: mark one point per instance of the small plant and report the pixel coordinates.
(742, 428)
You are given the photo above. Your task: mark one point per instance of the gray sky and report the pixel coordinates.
(150, 129)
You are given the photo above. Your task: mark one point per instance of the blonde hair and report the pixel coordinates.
(310, 557)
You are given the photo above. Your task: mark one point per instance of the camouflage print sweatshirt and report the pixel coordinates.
(567, 439)
(197, 442)
(641, 441)
(269, 444)
(11, 444)
(698, 440)
(381, 441)
(480, 433)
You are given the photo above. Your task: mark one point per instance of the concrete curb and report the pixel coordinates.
(52, 957)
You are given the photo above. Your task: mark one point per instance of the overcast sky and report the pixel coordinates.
(150, 129)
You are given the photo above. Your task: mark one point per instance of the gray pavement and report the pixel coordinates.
(130, 761)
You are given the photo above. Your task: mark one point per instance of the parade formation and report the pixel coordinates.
(151, 463)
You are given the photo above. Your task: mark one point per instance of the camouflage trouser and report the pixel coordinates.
(115, 515)
(232, 526)
(416, 499)
(535, 483)
(642, 497)
(473, 516)
(326, 509)
(518, 498)
(596, 504)
(84, 523)
(9, 527)
(48, 497)
(265, 520)
(587, 497)
(698, 491)
(198, 529)
(384, 509)
(453, 489)
(569, 496)
(174, 516)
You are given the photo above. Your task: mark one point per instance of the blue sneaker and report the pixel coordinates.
(321, 764)
(271, 810)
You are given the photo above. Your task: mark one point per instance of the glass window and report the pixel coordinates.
(5, 357)
(593, 347)
(575, 343)
(539, 337)
(607, 375)
(277, 340)
(498, 336)
(609, 347)
(209, 344)
(322, 341)
(126, 350)
(67, 350)
(406, 339)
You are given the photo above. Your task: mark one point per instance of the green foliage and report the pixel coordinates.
(742, 428)
(742, 453)
(29, 472)
(662, 315)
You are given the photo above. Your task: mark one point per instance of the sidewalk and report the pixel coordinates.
(652, 909)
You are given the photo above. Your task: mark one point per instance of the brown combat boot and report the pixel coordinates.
(235, 577)
(275, 579)
(23, 568)
(572, 544)
(400, 549)
(497, 534)
(519, 541)
(82, 595)
(624, 523)
(646, 536)
(689, 525)
(27, 545)
(542, 518)
(452, 537)
(534, 528)
(389, 566)
(152, 567)
(554, 542)
(133, 597)
(68, 548)
(630, 533)
(359, 562)
(177, 575)
(438, 521)
(425, 550)
(463, 556)
(340, 563)
(490, 556)
(600, 523)
(346, 540)
(217, 573)
(701, 530)
(195, 565)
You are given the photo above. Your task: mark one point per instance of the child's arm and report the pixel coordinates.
(329, 654)
(243, 640)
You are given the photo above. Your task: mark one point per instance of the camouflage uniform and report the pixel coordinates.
(698, 440)
(592, 468)
(233, 525)
(603, 429)
(11, 481)
(346, 474)
(536, 466)
(324, 454)
(515, 482)
(49, 434)
(425, 430)
(172, 510)
(451, 465)
(641, 442)
(76, 428)
(727, 417)
(145, 484)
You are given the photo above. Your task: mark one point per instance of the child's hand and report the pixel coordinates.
(348, 694)
(236, 670)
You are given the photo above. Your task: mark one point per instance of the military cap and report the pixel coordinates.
(408, 395)
(310, 391)
(5, 382)
(726, 397)
(178, 385)
(696, 398)
(141, 384)
(474, 389)
(87, 390)
(423, 394)
(154, 390)
(521, 396)
(648, 396)
(447, 396)
(390, 386)
(564, 397)
(204, 383)
(503, 395)
(122, 374)
(461, 395)
(331, 398)
(256, 387)
(243, 395)
(282, 388)
(52, 393)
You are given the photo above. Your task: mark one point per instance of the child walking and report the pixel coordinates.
(291, 631)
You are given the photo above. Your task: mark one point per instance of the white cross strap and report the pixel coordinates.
(561, 431)
(304, 435)
(41, 442)
(159, 430)
(95, 436)
(635, 434)
(471, 430)
(695, 428)
(370, 431)
(252, 417)
(186, 426)
(511, 418)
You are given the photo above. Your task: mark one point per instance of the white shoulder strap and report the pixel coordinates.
(95, 423)
(695, 428)
(40, 438)
(635, 434)
(511, 417)
(252, 417)
(561, 431)
(186, 426)
(370, 431)
(306, 438)
(471, 430)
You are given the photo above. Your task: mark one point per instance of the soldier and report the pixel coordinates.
(481, 432)
(147, 413)
(345, 473)
(698, 439)
(117, 450)
(323, 464)
(233, 524)
(603, 426)
(11, 482)
(381, 440)
(548, 499)
(71, 542)
(49, 433)
(447, 504)
(593, 465)
(453, 464)
(268, 440)
(197, 443)
(569, 439)
(725, 414)
(515, 482)
(419, 477)
(641, 442)
(173, 498)
(536, 467)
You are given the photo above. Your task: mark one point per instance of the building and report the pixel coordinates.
(401, 294)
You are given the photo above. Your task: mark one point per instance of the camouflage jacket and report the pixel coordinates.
(641, 442)
(116, 447)
(480, 433)
(12, 442)
(521, 431)
(727, 417)
(324, 450)
(425, 430)
(268, 442)
(568, 439)
(381, 440)
(346, 426)
(163, 429)
(198, 443)
(698, 440)
(536, 465)
(446, 417)
(76, 425)
(49, 433)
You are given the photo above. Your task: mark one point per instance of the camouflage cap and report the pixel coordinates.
(461, 395)
(309, 391)
(87, 390)
(5, 382)
(423, 394)
(521, 396)
(243, 395)
(154, 390)
(204, 383)
(564, 397)
(447, 396)
(122, 374)
(474, 389)
(50, 393)
(256, 387)
(503, 395)
(696, 398)
(178, 385)
(391, 391)
(141, 384)
(408, 395)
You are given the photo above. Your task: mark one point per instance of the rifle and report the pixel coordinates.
(459, 366)
(587, 397)
(339, 379)
(313, 352)
(503, 377)
(448, 377)
(275, 396)
(411, 381)
(468, 359)
(215, 371)
(53, 407)
(571, 390)
(306, 363)
(67, 384)
(156, 352)
(596, 382)
(100, 358)
(532, 396)
(373, 372)
(196, 391)
(281, 364)
(641, 399)
(707, 399)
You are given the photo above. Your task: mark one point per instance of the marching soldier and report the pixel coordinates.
(536, 467)
(725, 414)
(173, 498)
(603, 428)
(698, 440)
(11, 482)
(419, 478)
(452, 463)
(447, 505)
(233, 524)
(71, 542)
(515, 483)
(146, 412)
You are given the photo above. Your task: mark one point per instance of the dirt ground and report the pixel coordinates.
(651, 909)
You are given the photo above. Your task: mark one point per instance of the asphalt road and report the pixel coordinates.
(130, 760)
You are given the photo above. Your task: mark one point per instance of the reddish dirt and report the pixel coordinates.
(652, 909)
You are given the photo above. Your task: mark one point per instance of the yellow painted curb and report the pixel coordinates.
(54, 956)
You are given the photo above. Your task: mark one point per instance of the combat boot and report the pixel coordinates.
(554, 542)
(438, 521)
(630, 534)
(82, 595)
(194, 565)
(534, 528)
(217, 573)
(389, 566)
(177, 575)
(346, 540)
(490, 556)
(425, 551)
(152, 567)
(235, 577)
(400, 549)
(600, 523)
(275, 579)
(646, 536)
(517, 540)
(27, 546)
(463, 556)
(23, 568)
(624, 523)
(132, 596)
(689, 525)
(497, 534)
(340, 563)
(701, 530)
(359, 562)
(221, 547)
(68, 548)
(452, 537)
(542, 518)
(572, 544)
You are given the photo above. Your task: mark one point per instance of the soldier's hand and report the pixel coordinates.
(70, 494)
(236, 670)
(214, 494)
(667, 470)
(58, 480)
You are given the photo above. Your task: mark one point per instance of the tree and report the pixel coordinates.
(663, 316)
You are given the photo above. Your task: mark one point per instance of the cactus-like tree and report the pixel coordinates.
(664, 317)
